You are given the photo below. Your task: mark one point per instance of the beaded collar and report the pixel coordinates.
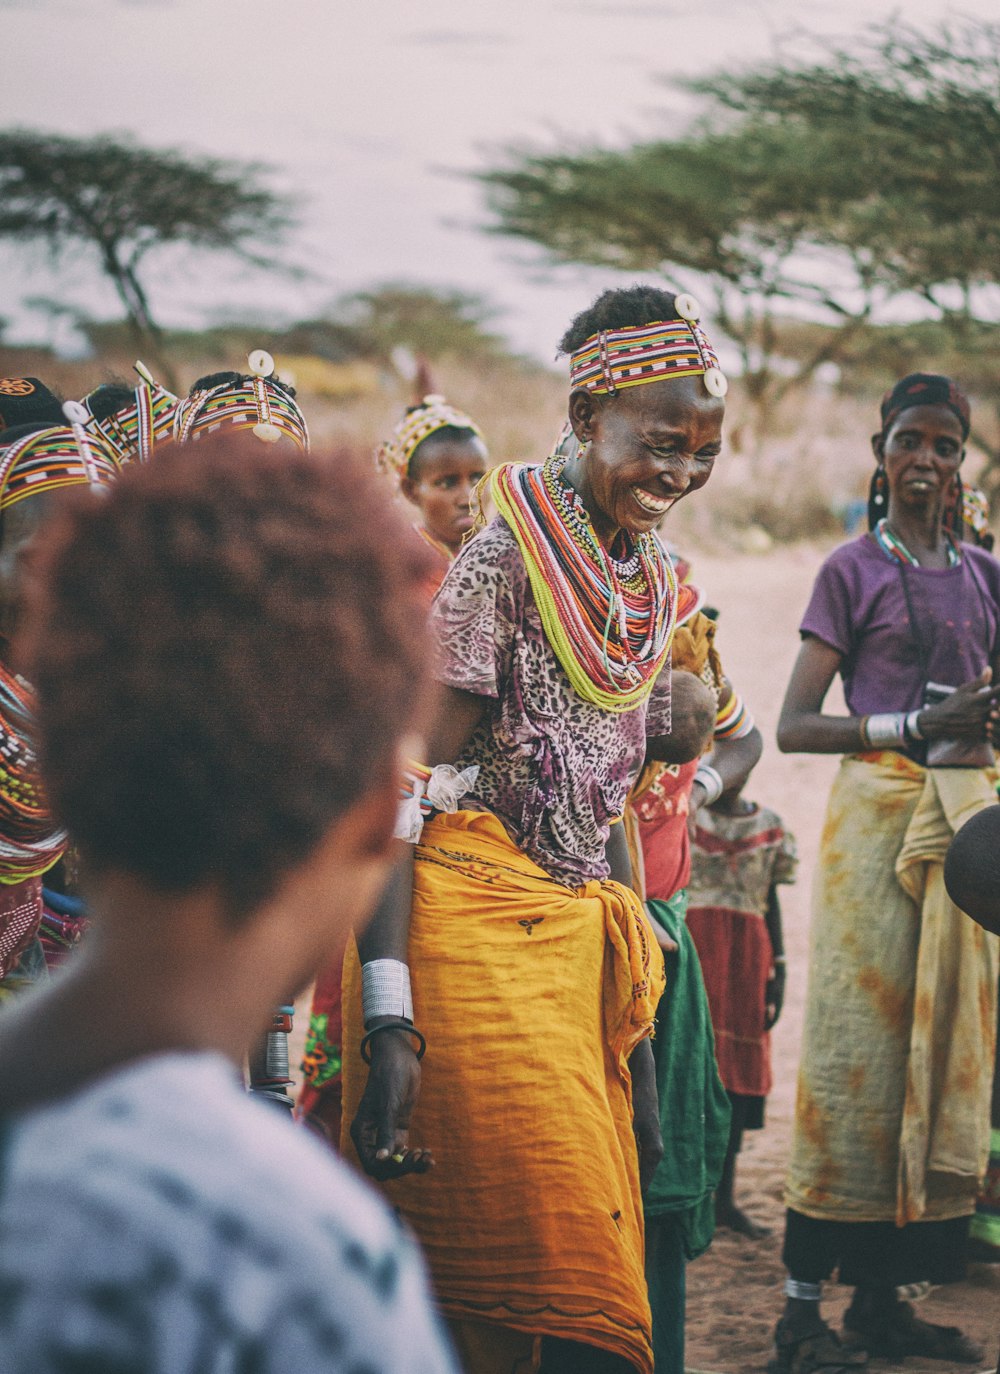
(894, 548)
(610, 620)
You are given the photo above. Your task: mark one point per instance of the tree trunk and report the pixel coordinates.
(146, 332)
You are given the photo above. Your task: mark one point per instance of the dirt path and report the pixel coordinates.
(735, 1289)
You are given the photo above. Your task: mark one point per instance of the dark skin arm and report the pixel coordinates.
(733, 759)
(645, 1099)
(774, 995)
(380, 1130)
(970, 712)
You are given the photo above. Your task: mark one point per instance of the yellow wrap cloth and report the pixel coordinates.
(892, 1114)
(532, 996)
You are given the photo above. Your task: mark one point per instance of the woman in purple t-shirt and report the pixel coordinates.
(892, 1111)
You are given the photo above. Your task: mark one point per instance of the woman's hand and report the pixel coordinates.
(645, 1112)
(774, 997)
(381, 1129)
(965, 713)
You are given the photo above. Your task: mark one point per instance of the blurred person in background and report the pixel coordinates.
(42, 459)
(694, 1111)
(435, 458)
(230, 658)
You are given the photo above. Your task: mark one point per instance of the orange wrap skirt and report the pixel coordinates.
(532, 996)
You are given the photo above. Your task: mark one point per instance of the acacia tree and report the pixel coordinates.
(124, 201)
(835, 186)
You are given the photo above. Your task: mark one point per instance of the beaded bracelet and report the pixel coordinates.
(421, 1050)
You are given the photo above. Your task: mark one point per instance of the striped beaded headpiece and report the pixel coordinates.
(258, 400)
(65, 456)
(419, 423)
(614, 359)
(133, 432)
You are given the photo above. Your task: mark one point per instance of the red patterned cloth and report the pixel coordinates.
(735, 860)
(20, 917)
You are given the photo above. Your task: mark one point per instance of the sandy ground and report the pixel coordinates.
(734, 1291)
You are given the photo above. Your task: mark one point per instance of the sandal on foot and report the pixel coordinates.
(797, 1352)
(903, 1333)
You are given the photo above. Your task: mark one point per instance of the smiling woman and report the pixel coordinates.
(534, 973)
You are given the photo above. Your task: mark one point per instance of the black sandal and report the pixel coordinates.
(809, 1352)
(903, 1333)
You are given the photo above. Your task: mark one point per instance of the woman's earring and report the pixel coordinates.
(878, 496)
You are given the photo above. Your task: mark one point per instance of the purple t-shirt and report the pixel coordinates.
(554, 768)
(858, 606)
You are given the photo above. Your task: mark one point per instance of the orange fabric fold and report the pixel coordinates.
(532, 996)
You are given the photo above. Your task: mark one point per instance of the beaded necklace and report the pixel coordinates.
(893, 547)
(610, 620)
(30, 841)
(435, 544)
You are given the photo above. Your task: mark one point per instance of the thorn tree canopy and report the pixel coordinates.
(123, 200)
(840, 185)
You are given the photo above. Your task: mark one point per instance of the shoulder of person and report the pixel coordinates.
(166, 1168)
(770, 820)
(491, 555)
(985, 563)
(859, 552)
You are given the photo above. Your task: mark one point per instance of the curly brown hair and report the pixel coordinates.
(227, 649)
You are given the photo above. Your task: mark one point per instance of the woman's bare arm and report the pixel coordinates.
(803, 729)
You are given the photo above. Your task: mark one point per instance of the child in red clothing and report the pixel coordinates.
(740, 852)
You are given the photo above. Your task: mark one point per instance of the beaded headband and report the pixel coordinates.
(433, 413)
(614, 359)
(133, 432)
(64, 456)
(258, 400)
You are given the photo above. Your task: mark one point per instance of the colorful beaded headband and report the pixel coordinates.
(258, 400)
(65, 456)
(134, 432)
(614, 359)
(433, 413)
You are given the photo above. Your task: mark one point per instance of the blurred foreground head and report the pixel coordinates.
(972, 869)
(228, 650)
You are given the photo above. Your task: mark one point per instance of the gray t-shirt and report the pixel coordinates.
(160, 1222)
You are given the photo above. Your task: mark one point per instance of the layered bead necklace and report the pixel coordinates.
(893, 547)
(30, 840)
(610, 621)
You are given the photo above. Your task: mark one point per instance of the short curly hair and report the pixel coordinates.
(227, 649)
(626, 307)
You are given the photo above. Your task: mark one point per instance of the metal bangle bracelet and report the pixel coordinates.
(421, 1050)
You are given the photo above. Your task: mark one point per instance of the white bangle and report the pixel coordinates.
(886, 731)
(385, 990)
(912, 727)
(711, 781)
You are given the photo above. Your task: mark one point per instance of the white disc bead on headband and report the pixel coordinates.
(261, 364)
(716, 381)
(78, 416)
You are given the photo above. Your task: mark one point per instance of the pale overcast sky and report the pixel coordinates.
(365, 109)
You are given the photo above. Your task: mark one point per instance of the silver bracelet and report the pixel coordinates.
(912, 726)
(711, 781)
(886, 731)
(385, 990)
